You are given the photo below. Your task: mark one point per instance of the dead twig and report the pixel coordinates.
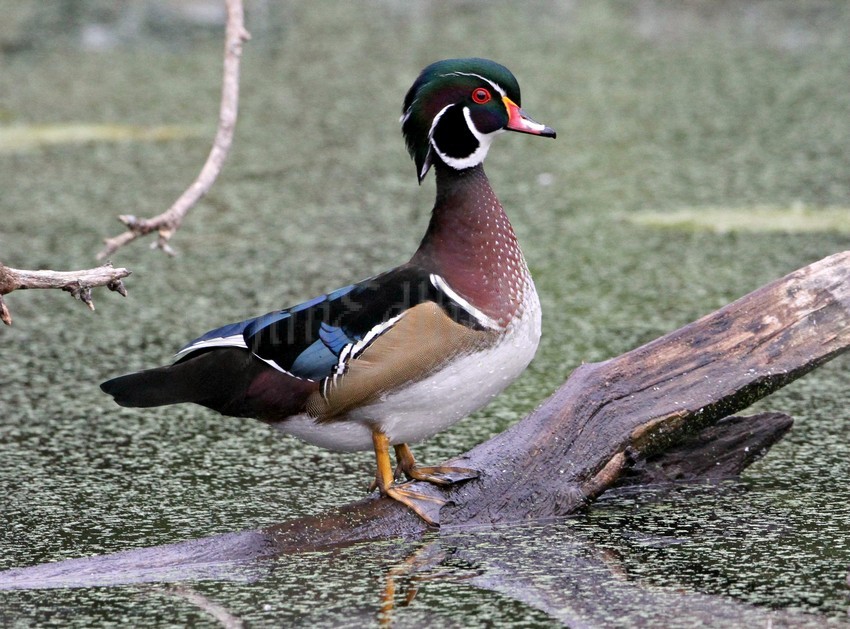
(78, 283)
(168, 222)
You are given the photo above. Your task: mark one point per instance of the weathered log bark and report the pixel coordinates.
(721, 451)
(78, 283)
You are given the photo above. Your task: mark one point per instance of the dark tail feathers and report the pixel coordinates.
(153, 387)
(218, 379)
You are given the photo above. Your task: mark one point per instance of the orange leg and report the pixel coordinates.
(426, 507)
(439, 474)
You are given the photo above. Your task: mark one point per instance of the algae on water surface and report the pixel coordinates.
(660, 108)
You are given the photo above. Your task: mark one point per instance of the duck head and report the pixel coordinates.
(455, 109)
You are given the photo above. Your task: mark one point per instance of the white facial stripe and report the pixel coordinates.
(496, 86)
(426, 164)
(436, 120)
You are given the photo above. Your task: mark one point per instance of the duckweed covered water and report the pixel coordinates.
(660, 108)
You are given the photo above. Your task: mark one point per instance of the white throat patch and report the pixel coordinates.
(477, 156)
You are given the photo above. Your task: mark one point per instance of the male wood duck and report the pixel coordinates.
(398, 357)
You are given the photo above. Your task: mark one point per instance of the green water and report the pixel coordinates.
(660, 107)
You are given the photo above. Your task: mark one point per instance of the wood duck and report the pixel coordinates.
(398, 357)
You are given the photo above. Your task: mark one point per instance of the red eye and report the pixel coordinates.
(480, 95)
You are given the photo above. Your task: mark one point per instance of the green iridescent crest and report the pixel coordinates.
(454, 82)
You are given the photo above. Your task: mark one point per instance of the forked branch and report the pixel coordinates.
(78, 283)
(168, 222)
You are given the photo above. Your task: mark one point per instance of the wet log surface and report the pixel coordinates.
(651, 415)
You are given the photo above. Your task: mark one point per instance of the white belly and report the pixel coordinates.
(431, 405)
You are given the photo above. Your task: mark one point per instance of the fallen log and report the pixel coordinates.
(608, 415)
(651, 414)
(232, 556)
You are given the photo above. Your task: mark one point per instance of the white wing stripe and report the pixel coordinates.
(372, 334)
(353, 350)
(235, 340)
(221, 341)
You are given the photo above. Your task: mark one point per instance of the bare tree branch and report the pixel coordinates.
(78, 283)
(168, 222)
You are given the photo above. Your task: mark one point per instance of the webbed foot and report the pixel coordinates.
(425, 506)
